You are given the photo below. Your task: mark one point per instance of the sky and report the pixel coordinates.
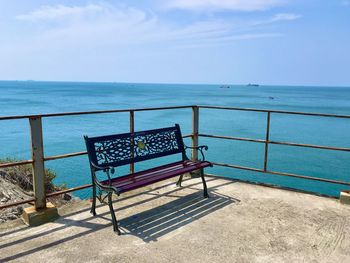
(271, 42)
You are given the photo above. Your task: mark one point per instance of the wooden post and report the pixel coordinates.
(195, 128)
(38, 162)
(132, 129)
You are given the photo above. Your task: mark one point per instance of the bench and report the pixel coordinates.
(108, 152)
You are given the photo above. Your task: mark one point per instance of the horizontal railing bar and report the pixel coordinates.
(47, 195)
(17, 203)
(69, 190)
(281, 173)
(231, 138)
(10, 164)
(275, 111)
(276, 142)
(270, 185)
(310, 146)
(167, 108)
(238, 167)
(88, 112)
(68, 155)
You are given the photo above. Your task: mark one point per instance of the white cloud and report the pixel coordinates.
(62, 12)
(285, 17)
(234, 5)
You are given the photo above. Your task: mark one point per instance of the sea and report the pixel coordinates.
(65, 134)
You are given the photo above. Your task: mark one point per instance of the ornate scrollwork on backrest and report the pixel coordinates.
(127, 148)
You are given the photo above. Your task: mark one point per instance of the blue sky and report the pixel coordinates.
(291, 42)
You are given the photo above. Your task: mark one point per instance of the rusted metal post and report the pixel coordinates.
(267, 140)
(132, 129)
(38, 162)
(195, 128)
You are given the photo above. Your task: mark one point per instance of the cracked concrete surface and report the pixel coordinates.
(239, 223)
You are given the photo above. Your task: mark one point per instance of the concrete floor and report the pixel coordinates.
(239, 223)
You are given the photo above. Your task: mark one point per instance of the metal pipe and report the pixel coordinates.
(271, 185)
(275, 111)
(311, 146)
(69, 190)
(266, 155)
(17, 203)
(281, 173)
(67, 155)
(10, 164)
(231, 138)
(62, 114)
(132, 130)
(195, 128)
(275, 142)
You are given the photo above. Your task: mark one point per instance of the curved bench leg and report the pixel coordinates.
(114, 219)
(179, 181)
(93, 205)
(205, 190)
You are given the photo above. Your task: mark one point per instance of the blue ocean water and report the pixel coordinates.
(64, 134)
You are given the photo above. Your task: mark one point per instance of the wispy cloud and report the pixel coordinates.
(234, 5)
(109, 25)
(285, 17)
(62, 12)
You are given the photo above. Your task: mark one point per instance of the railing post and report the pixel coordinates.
(132, 129)
(267, 138)
(38, 162)
(195, 129)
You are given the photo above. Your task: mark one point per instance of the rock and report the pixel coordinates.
(67, 197)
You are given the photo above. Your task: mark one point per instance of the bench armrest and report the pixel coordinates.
(200, 148)
(107, 170)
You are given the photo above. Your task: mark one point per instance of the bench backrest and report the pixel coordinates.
(120, 149)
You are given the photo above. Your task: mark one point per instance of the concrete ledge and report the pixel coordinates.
(345, 197)
(34, 217)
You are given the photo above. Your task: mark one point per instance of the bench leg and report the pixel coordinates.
(205, 190)
(180, 180)
(114, 219)
(93, 206)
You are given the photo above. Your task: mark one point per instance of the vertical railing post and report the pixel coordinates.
(132, 129)
(38, 162)
(267, 138)
(195, 129)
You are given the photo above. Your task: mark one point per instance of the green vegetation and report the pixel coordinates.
(22, 176)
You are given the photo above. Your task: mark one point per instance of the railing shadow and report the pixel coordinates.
(148, 225)
(147, 192)
(159, 221)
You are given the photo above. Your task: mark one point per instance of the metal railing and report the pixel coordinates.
(38, 158)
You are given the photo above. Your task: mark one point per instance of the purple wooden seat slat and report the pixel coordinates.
(143, 178)
(146, 172)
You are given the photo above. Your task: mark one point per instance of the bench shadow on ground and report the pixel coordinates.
(159, 221)
(148, 225)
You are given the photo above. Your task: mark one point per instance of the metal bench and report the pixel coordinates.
(107, 152)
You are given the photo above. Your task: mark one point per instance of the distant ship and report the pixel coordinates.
(224, 87)
(253, 85)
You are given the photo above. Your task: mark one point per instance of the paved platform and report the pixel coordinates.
(239, 223)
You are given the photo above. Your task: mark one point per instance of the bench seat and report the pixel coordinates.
(139, 179)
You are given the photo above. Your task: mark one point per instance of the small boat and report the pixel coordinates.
(253, 85)
(224, 87)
